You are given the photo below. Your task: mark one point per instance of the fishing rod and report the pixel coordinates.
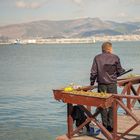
(125, 72)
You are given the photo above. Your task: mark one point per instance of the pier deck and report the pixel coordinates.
(124, 122)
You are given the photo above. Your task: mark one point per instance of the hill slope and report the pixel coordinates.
(83, 27)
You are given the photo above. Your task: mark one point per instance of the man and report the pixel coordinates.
(105, 69)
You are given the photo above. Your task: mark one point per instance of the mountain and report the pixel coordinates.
(84, 27)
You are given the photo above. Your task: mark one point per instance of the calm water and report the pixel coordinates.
(28, 73)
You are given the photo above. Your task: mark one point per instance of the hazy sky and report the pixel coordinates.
(18, 11)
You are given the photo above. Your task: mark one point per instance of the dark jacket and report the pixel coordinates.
(106, 67)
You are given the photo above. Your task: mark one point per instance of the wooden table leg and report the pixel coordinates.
(115, 120)
(69, 120)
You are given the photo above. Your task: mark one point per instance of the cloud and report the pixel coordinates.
(78, 2)
(30, 5)
(122, 15)
(135, 1)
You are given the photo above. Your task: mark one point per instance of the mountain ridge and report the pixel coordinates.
(82, 27)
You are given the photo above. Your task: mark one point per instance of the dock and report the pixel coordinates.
(124, 122)
(126, 126)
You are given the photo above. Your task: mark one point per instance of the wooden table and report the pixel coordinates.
(83, 101)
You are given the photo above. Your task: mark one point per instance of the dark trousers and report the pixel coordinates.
(107, 114)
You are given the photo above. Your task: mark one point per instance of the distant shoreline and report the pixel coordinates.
(87, 40)
(64, 43)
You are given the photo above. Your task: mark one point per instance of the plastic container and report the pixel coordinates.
(93, 129)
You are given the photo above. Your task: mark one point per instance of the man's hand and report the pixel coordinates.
(92, 83)
(92, 79)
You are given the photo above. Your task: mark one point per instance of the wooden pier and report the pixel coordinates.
(125, 127)
(124, 122)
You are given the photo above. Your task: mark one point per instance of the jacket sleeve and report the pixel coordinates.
(119, 67)
(93, 73)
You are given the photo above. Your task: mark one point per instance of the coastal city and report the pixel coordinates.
(92, 39)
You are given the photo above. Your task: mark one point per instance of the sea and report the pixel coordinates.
(28, 75)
